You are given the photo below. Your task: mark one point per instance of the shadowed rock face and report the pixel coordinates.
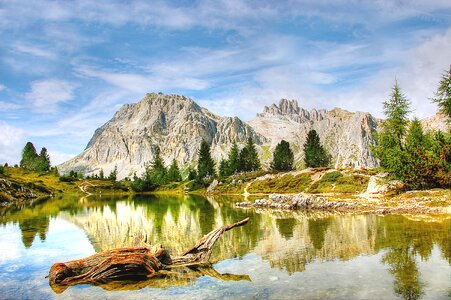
(177, 125)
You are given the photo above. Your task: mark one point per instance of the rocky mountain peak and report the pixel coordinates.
(290, 109)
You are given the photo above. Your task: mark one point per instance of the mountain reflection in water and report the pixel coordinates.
(289, 242)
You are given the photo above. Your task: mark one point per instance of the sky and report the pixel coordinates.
(67, 66)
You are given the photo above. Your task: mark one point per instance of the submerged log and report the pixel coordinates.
(132, 263)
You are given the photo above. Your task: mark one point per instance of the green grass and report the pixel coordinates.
(281, 184)
(336, 182)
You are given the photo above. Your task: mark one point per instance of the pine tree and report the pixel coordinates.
(113, 174)
(224, 168)
(443, 94)
(248, 157)
(101, 174)
(157, 171)
(206, 165)
(415, 137)
(174, 172)
(390, 146)
(315, 154)
(396, 110)
(43, 161)
(283, 157)
(234, 159)
(29, 157)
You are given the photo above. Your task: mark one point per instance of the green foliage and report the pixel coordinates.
(419, 160)
(192, 174)
(315, 154)
(234, 159)
(443, 94)
(2, 170)
(101, 174)
(224, 168)
(248, 157)
(34, 162)
(113, 174)
(206, 165)
(281, 184)
(336, 182)
(283, 157)
(396, 110)
(174, 172)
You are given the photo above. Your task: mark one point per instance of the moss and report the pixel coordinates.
(281, 184)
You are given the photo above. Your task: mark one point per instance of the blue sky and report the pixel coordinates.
(67, 66)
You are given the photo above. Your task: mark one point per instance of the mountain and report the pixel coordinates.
(347, 136)
(177, 125)
(436, 122)
(174, 123)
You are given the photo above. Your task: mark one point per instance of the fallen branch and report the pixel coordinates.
(133, 263)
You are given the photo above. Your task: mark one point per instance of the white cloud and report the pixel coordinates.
(11, 143)
(46, 94)
(2, 87)
(5, 106)
(34, 50)
(57, 158)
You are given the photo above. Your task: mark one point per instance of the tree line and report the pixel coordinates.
(421, 160)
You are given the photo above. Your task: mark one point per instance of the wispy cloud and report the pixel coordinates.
(11, 143)
(2, 87)
(34, 50)
(46, 94)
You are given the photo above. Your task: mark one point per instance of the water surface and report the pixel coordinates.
(274, 256)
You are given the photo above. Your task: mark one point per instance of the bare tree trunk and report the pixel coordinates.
(132, 263)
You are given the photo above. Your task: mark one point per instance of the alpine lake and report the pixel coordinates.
(277, 255)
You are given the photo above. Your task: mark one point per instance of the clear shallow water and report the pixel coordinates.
(278, 256)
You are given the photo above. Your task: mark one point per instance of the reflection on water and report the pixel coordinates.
(404, 252)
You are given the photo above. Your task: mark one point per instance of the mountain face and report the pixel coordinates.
(177, 125)
(347, 136)
(436, 122)
(174, 123)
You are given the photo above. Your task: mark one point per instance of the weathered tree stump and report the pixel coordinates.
(135, 263)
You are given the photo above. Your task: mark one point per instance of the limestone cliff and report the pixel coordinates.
(174, 123)
(347, 136)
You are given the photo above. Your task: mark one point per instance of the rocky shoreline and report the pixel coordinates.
(309, 202)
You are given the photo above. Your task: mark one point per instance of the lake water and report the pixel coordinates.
(275, 256)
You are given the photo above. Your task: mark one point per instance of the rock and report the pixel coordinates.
(347, 136)
(212, 186)
(435, 123)
(379, 184)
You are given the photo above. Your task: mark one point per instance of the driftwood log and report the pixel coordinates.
(138, 263)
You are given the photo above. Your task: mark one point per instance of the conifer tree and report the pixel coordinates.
(224, 168)
(174, 172)
(206, 165)
(101, 174)
(113, 174)
(443, 94)
(248, 157)
(43, 161)
(315, 154)
(157, 171)
(234, 159)
(283, 157)
(29, 157)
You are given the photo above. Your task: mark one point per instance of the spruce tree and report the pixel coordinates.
(101, 174)
(283, 157)
(443, 94)
(113, 174)
(29, 157)
(157, 172)
(224, 168)
(43, 161)
(234, 159)
(315, 154)
(206, 165)
(248, 158)
(174, 172)
(396, 110)
(390, 147)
